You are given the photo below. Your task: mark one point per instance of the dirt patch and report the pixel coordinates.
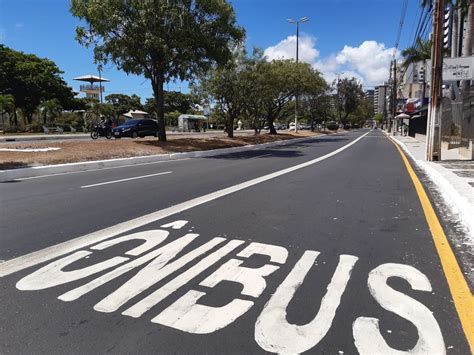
(77, 151)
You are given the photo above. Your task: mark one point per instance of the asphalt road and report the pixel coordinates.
(319, 246)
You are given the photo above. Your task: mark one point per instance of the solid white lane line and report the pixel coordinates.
(127, 179)
(100, 169)
(40, 256)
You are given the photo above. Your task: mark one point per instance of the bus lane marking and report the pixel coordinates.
(272, 331)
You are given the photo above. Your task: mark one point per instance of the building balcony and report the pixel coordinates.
(93, 89)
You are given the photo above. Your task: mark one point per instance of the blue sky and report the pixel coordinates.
(355, 37)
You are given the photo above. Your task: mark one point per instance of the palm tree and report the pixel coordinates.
(51, 109)
(420, 51)
(7, 105)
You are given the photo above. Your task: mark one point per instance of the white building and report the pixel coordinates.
(380, 96)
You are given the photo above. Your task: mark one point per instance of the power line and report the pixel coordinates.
(422, 31)
(418, 15)
(400, 27)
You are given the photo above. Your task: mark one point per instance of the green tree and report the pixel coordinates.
(7, 105)
(50, 110)
(162, 40)
(225, 86)
(349, 95)
(364, 112)
(253, 85)
(31, 80)
(420, 51)
(122, 103)
(178, 101)
(276, 81)
(317, 104)
(175, 101)
(77, 104)
(378, 117)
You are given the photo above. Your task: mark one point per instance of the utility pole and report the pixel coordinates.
(297, 86)
(433, 131)
(303, 19)
(394, 97)
(388, 94)
(385, 118)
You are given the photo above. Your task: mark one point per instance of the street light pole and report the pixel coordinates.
(297, 22)
(337, 96)
(100, 82)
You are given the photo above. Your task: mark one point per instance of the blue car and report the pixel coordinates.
(137, 128)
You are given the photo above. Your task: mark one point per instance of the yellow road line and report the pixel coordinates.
(460, 292)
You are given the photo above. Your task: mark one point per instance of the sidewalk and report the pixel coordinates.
(453, 178)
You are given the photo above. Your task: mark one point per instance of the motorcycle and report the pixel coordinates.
(99, 130)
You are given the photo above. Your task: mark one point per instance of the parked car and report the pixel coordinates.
(292, 126)
(137, 128)
(332, 125)
(280, 126)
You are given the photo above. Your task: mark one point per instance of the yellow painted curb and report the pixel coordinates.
(460, 292)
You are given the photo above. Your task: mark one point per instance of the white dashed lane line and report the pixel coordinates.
(123, 180)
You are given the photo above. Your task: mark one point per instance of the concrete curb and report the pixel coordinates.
(12, 174)
(452, 197)
(51, 137)
(67, 136)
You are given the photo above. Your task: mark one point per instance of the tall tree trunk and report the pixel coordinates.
(15, 119)
(468, 43)
(158, 92)
(271, 126)
(230, 127)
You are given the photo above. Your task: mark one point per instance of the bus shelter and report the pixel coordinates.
(188, 123)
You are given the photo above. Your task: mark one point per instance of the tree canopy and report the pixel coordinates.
(122, 103)
(175, 101)
(31, 80)
(225, 86)
(162, 40)
(260, 90)
(349, 96)
(420, 51)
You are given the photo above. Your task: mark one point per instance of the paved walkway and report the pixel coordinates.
(453, 176)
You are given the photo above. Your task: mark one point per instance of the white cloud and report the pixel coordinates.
(369, 63)
(370, 59)
(286, 49)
